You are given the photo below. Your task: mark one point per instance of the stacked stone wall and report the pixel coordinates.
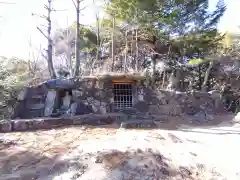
(95, 97)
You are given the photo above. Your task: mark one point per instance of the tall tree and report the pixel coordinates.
(47, 35)
(65, 42)
(188, 28)
(77, 44)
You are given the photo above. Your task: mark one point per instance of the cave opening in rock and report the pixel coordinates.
(64, 98)
(123, 95)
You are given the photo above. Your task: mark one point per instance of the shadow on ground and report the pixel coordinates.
(26, 165)
(19, 164)
(150, 165)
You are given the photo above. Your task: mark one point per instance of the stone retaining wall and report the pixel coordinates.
(96, 98)
(50, 123)
(172, 103)
(98, 95)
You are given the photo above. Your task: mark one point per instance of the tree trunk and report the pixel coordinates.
(50, 63)
(113, 43)
(69, 59)
(154, 61)
(126, 51)
(77, 45)
(164, 77)
(200, 76)
(206, 77)
(50, 48)
(69, 56)
(98, 43)
(136, 54)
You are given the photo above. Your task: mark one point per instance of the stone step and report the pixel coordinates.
(49, 123)
(145, 124)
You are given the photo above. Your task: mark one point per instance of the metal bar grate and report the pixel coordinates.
(123, 95)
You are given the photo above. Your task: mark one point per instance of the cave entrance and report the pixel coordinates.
(123, 94)
(63, 100)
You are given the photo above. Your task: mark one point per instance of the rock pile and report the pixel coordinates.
(199, 106)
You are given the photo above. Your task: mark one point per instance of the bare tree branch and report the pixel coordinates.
(43, 55)
(83, 8)
(41, 16)
(58, 10)
(42, 33)
(3, 2)
(48, 37)
(77, 45)
(74, 4)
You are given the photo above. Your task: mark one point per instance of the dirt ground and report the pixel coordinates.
(87, 153)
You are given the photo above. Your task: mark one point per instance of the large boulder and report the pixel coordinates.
(217, 99)
(169, 109)
(236, 119)
(49, 103)
(83, 109)
(141, 106)
(20, 125)
(201, 117)
(138, 123)
(5, 126)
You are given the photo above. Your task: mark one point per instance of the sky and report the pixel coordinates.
(18, 26)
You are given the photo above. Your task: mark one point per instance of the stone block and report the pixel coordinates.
(106, 120)
(237, 118)
(38, 124)
(5, 126)
(201, 116)
(49, 103)
(22, 95)
(209, 117)
(57, 122)
(141, 106)
(119, 118)
(78, 120)
(28, 124)
(73, 108)
(162, 98)
(95, 120)
(155, 110)
(19, 125)
(102, 110)
(165, 109)
(77, 93)
(169, 109)
(215, 94)
(138, 124)
(129, 111)
(160, 118)
(83, 109)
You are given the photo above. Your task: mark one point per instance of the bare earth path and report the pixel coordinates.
(109, 153)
